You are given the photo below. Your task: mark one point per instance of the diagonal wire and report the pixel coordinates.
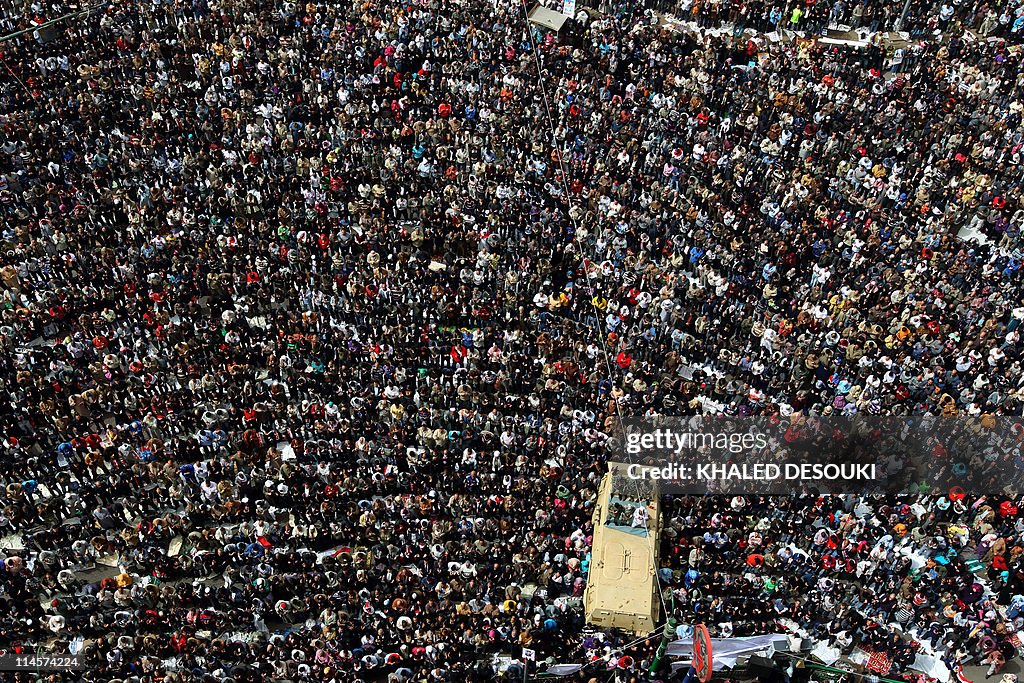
(16, 77)
(56, 20)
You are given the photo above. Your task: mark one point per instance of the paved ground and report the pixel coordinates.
(977, 673)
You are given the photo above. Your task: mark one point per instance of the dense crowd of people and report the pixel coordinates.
(918, 18)
(317, 320)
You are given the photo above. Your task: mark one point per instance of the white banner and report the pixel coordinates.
(722, 648)
(563, 669)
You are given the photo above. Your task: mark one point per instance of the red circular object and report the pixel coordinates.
(957, 493)
(702, 653)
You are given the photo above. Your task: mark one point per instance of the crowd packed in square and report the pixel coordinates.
(317, 318)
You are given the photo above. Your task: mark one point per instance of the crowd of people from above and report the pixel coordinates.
(317, 318)
(921, 19)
